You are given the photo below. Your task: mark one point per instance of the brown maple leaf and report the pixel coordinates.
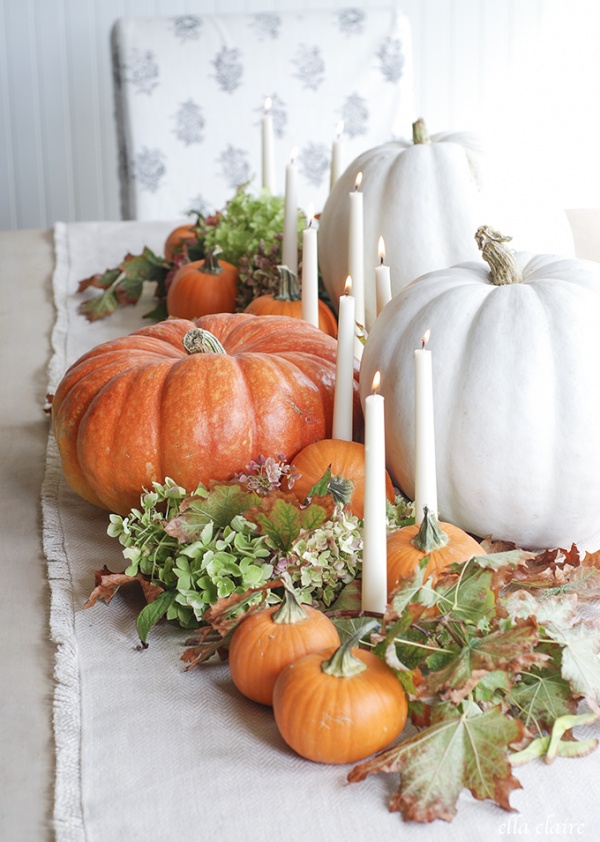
(108, 583)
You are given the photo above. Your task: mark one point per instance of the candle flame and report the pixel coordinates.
(339, 131)
(310, 214)
(358, 181)
(268, 104)
(293, 154)
(425, 338)
(381, 250)
(348, 286)
(376, 382)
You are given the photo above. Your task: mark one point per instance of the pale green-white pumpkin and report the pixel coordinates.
(516, 368)
(422, 196)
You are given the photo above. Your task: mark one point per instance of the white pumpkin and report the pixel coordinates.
(422, 197)
(516, 370)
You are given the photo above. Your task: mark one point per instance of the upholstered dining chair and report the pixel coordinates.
(190, 92)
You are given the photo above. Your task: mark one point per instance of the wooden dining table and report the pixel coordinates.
(103, 742)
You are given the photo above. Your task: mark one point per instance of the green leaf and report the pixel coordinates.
(128, 291)
(151, 613)
(580, 663)
(312, 516)
(540, 698)
(511, 650)
(281, 523)
(464, 749)
(322, 486)
(146, 266)
(99, 307)
(220, 505)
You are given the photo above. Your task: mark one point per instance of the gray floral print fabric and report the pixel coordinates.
(191, 91)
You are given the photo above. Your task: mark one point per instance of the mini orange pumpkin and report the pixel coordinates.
(339, 706)
(183, 234)
(444, 543)
(267, 641)
(203, 287)
(346, 459)
(288, 302)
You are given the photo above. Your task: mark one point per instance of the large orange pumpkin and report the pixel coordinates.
(203, 287)
(347, 462)
(288, 302)
(142, 407)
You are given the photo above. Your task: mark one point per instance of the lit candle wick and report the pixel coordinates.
(348, 286)
(425, 338)
(376, 382)
(358, 181)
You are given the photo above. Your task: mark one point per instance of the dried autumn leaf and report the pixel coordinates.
(465, 749)
(99, 307)
(101, 281)
(108, 583)
(548, 569)
(511, 650)
(221, 620)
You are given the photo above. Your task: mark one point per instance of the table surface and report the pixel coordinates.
(26, 654)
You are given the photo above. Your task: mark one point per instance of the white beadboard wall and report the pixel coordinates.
(523, 74)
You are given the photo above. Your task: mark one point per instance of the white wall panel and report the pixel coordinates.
(523, 74)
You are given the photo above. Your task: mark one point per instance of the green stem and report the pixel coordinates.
(430, 536)
(343, 663)
(290, 611)
(211, 265)
(420, 133)
(340, 489)
(199, 341)
(504, 268)
(289, 287)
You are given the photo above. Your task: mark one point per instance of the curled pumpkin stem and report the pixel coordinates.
(504, 268)
(430, 536)
(289, 286)
(291, 610)
(343, 663)
(199, 341)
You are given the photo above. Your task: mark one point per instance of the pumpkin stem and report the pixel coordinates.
(211, 265)
(430, 536)
(290, 611)
(199, 341)
(420, 133)
(504, 268)
(289, 286)
(340, 489)
(343, 663)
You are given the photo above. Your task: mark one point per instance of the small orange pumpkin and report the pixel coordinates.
(266, 642)
(444, 543)
(339, 705)
(346, 459)
(183, 234)
(288, 302)
(203, 288)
